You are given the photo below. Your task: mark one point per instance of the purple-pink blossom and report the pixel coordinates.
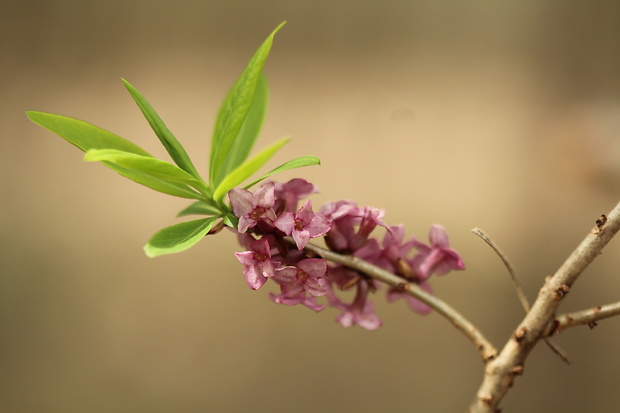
(253, 209)
(288, 194)
(257, 263)
(437, 258)
(301, 284)
(303, 225)
(360, 312)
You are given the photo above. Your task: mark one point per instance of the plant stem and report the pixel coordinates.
(484, 346)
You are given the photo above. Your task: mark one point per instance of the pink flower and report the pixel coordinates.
(252, 209)
(289, 194)
(257, 263)
(306, 277)
(438, 258)
(351, 225)
(304, 225)
(360, 312)
(308, 301)
(301, 284)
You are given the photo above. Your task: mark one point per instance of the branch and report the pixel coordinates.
(501, 371)
(484, 346)
(587, 317)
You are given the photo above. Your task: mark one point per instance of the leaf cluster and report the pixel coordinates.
(236, 129)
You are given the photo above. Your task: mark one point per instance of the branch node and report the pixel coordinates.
(518, 370)
(554, 328)
(403, 287)
(487, 400)
(561, 292)
(600, 225)
(519, 334)
(592, 324)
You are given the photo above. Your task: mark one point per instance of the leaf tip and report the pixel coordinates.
(150, 251)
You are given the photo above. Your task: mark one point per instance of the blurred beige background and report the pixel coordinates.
(503, 115)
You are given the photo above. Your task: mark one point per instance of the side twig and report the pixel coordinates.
(519, 289)
(484, 346)
(587, 317)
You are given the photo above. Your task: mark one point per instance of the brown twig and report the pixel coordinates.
(587, 317)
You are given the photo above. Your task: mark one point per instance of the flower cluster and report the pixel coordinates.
(274, 233)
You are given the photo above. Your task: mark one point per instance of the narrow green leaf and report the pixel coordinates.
(157, 184)
(250, 129)
(144, 164)
(82, 134)
(243, 172)
(199, 208)
(231, 221)
(179, 237)
(292, 164)
(172, 145)
(234, 110)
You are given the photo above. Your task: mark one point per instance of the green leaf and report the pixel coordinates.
(148, 171)
(157, 184)
(199, 208)
(250, 129)
(82, 134)
(234, 110)
(246, 170)
(172, 145)
(179, 237)
(144, 164)
(292, 164)
(231, 221)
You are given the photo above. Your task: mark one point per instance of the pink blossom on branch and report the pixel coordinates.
(252, 209)
(360, 312)
(257, 263)
(301, 284)
(439, 258)
(288, 194)
(303, 225)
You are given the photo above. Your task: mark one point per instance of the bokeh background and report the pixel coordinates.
(502, 115)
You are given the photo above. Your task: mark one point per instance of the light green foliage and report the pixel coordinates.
(247, 169)
(83, 134)
(233, 112)
(237, 126)
(172, 145)
(178, 237)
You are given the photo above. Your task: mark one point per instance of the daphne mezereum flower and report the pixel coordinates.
(360, 312)
(257, 263)
(303, 225)
(439, 258)
(301, 284)
(288, 194)
(250, 208)
(308, 276)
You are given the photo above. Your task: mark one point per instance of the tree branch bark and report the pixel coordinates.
(501, 371)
